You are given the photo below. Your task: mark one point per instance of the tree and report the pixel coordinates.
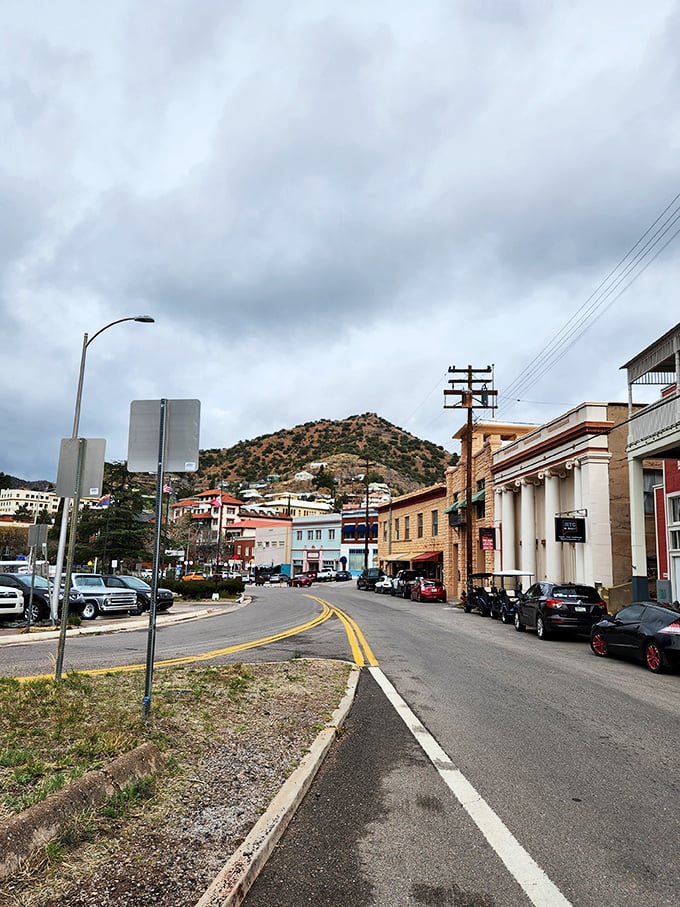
(118, 531)
(324, 479)
(23, 514)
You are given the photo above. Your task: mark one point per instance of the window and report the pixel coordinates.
(420, 525)
(396, 529)
(384, 530)
(675, 539)
(674, 509)
(331, 533)
(298, 535)
(407, 528)
(317, 534)
(435, 522)
(310, 535)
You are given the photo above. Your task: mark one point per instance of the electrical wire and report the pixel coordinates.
(587, 313)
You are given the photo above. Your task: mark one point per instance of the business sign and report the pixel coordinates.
(570, 529)
(487, 538)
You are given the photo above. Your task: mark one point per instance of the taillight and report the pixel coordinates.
(672, 629)
(553, 603)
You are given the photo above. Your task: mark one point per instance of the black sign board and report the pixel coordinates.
(570, 529)
(487, 538)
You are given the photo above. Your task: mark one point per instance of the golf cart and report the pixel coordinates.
(477, 597)
(506, 588)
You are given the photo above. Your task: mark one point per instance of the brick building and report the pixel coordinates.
(412, 532)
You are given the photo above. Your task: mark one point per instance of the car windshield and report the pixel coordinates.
(583, 592)
(89, 580)
(39, 582)
(135, 583)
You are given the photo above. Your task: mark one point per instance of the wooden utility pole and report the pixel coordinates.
(473, 393)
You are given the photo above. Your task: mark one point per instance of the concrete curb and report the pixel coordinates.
(134, 623)
(232, 883)
(25, 833)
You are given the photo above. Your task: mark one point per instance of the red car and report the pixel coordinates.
(302, 579)
(428, 590)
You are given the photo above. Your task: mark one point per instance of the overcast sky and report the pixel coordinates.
(324, 205)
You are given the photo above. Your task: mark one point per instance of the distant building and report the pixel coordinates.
(11, 499)
(315, 543)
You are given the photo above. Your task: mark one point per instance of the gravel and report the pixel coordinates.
(165, 850)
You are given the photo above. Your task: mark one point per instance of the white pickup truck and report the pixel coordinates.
(325, 576)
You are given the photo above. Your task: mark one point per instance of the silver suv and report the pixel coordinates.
(99, 599)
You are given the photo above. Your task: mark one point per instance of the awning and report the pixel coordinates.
(427, 556)
(457, 506)
(348, 527)
(393, 558)
(478, 496)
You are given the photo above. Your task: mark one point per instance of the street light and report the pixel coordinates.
(145, 319)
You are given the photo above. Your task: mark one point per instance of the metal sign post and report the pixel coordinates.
(164, 435)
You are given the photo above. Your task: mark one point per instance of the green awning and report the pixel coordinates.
(478, 496)
(457, 506)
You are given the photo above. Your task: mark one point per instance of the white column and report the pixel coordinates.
(578, 505)
(498, 524)
(597, 551)
(509, 534)
(528, 527)
(637, 523)
(553, 553)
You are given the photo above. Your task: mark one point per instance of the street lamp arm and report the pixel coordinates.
(146, 319)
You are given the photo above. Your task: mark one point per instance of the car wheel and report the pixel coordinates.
(519, 626)
(653, 658)
(599, 644)
(139, 608)
(36, 612)
(503, 616)
(541, 629)
(392, 592)
(90, 610)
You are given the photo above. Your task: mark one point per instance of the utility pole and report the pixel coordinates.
(472, 393)
(367, 465)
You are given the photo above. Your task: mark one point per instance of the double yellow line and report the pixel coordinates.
(361, 651)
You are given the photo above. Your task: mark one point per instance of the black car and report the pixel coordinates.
(164, 597)
(342, 576)
(552, 608)
(42, 592)
(646, 631)
(368, 578)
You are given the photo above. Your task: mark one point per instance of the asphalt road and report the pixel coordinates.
(576, 757)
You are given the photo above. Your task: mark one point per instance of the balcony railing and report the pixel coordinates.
(655, 421)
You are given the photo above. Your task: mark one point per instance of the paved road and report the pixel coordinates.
(575, 757)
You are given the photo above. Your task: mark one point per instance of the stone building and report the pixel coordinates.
(476, 518)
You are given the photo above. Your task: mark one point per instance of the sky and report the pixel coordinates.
(324, 206)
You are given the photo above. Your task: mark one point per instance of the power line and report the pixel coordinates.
(585, 315)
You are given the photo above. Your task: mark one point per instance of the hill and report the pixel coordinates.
(355, 445)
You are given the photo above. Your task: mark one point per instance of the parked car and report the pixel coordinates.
(164, 597)
(384, 586)
(99, 599)
(429, 590)
(645, 631)
(325, 576)
(42, 593)
(401, 585)
(302, 579)
(278, 578)
(342, 576)
(190, 577)
(369, 577)
(11, 603)
(559, 607)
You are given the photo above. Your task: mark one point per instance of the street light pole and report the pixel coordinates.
(146, 319)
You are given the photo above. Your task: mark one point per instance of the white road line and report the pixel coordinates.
(528, 874)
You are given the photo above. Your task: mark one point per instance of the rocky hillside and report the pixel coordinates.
(355, 445)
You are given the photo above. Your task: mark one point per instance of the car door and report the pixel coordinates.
(623, 637)
(529, 604)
